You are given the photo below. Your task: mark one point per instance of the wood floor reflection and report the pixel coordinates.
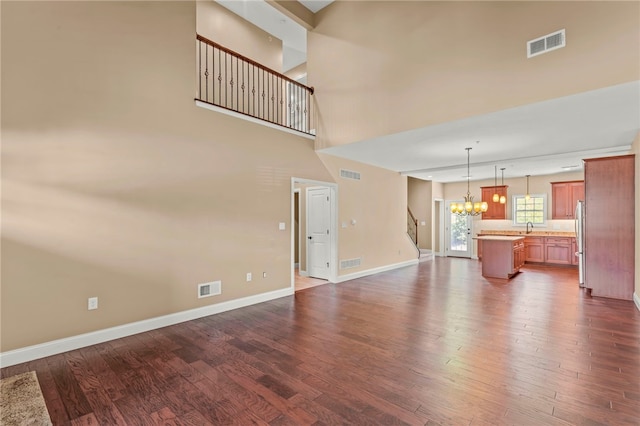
(433, 343)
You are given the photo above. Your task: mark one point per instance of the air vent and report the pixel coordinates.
(209, 289)
(546, 43)
(349, 174)
(350, 263)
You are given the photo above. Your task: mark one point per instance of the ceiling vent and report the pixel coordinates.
(546, 43)
(349, 174)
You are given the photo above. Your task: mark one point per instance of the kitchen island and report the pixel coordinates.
(502, 256)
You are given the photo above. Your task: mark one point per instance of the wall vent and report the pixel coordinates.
(350, 263)
(209, 289)
(349, 174)
(546, 43)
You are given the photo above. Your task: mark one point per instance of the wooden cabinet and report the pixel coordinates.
(495, 210)
(534, 249)
(564, 197)
(503, 255)
(518, 255)
(610, 226)
(574, 250)
(557, 250)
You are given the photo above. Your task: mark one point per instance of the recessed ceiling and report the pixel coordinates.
(536, 139)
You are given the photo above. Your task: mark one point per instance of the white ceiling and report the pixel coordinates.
(535, 139)
(315, 5)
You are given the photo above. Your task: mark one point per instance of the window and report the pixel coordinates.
(533, 210)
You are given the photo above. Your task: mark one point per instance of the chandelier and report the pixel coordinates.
(469, 207)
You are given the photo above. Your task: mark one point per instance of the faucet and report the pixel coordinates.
(529, 230)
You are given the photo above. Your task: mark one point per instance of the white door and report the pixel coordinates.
(318, 223)
(458, 231)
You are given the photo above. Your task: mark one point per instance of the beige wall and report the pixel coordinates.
(115, 185)
(378, 204)
(421, 204)
(219, 24)
(388, 66)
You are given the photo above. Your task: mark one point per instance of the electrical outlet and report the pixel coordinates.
(92, 303)
(248, 276)
(264, 275)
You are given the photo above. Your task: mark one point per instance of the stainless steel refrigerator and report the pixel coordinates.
(580, 240)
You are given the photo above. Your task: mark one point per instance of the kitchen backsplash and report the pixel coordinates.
(502, 225)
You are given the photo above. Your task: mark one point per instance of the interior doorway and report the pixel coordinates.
(438, 227)
(313, 214)
(458, 234)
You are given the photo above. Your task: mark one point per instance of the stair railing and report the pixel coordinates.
(412, 226)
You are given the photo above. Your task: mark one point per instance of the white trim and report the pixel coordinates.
(253, 120)
(360, 274)
(333, 193)
(636, 300)
(54, 347)
(413, 244)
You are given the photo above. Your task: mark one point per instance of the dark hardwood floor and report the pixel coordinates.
(433, 343)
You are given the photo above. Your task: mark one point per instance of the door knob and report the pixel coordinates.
(309, 237)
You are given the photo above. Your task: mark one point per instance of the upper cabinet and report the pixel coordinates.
(564, 197)
(495, 210)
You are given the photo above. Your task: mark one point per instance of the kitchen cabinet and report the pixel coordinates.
(534, 249)
(564, 197)
(610, 226)
(518, 255)
(574, 250)
(557, 250)
(496, 211)
(503, 255)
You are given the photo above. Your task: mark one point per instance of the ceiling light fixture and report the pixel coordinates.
(527, 196)
(469, 208)
(496, 196)
(503, 199)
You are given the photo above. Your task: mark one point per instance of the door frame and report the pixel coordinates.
(333, 225)
(447, 222)
(438, 227)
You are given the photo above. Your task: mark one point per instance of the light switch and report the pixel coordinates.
(281, 226)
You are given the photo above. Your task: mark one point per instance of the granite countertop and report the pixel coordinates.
(500, 237)
(530, 234)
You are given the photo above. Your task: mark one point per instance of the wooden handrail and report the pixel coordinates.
(412, 216)
(252, 62)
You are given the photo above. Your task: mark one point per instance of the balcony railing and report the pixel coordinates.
(231, 81)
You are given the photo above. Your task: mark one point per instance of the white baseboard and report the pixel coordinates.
(360, 274)
(636, 300)
(54, 347)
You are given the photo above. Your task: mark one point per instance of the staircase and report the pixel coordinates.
(425, 255)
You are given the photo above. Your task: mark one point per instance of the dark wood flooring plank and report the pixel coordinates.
(433, 343)
(72, 396)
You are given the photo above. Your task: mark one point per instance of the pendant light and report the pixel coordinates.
(527, 196)
(503, 199)
(496, 196)
(469, 208)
